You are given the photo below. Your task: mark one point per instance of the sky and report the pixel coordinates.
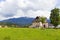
(26, 8)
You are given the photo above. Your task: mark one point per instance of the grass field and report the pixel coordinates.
(29, 34)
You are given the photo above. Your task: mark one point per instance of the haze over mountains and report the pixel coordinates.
(20, 21)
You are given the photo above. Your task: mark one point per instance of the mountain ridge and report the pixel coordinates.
(21, 20)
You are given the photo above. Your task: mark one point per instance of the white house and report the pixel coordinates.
(58, 26)
(37, 24)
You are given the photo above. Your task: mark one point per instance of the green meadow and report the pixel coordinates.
(29, 34)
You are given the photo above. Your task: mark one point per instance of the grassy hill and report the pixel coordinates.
(29, 34)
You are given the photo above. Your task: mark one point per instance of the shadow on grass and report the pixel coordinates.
(7, 38)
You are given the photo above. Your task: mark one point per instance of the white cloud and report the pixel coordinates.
(58, 7)
(32, 13)
(28, 8)
(37, 4)
(19, 13)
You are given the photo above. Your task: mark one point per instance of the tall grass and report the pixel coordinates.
(29, 34)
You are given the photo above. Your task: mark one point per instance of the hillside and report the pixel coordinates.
(19, 21)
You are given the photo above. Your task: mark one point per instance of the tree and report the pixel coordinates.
(43, 19)
(55, 16)
(40, 19)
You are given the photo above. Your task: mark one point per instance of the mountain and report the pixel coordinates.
(22, 21)
(48, 20)
(19, 21)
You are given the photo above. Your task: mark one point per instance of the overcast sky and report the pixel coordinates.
(26, 8)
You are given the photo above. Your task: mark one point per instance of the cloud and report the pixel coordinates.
(26, 8)
(37, 4)
(2, 0)
(32, 13)
(58, 4)
(8, 9)
(19, 13)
